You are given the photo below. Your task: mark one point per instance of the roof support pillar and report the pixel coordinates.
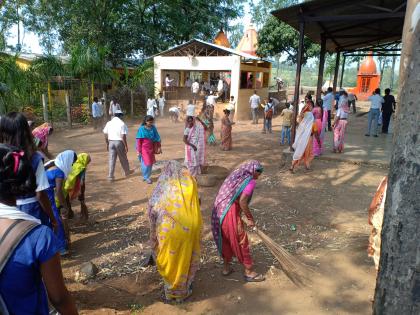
(297, 81)
(321, 67)
(343, 66)
(337, 66)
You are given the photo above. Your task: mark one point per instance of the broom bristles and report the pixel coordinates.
(293, 268)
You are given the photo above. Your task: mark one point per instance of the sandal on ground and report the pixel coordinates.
(257, 278)
(225, 274)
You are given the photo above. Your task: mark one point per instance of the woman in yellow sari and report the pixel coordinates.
(175, 230)
(74, 185)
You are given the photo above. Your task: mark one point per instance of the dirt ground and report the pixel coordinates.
(328, 206)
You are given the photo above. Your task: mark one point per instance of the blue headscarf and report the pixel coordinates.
(145, 133)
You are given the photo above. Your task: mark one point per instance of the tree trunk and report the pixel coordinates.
(398, 282)
(68, 109)
(44, 107)
(132, 103)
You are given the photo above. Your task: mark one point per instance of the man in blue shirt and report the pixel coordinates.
(327, 101)
(97, 113)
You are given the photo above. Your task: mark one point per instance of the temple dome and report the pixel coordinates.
(221, 39)
(249, 42)
(368, 66)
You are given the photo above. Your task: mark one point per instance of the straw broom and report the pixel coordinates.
(293, 268)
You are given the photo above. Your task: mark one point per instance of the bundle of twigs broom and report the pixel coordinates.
(295, 270)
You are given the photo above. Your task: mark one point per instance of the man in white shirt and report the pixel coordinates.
(231, 108)
(254, 102)
(161, 101)
(168, 81)
(116, 144)
(96, 113)
(190, 109)
(113, 107)
(195, 89)
(151, 107)
(211, 99)
(327, 101)
(376, 101)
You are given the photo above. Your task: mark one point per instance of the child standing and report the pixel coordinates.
(287, 115)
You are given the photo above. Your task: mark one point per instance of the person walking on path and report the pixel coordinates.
(147, 145)
(388, 108)
(228, 229)
(175, 230)
(376, 101)
(97, 113)
(226, 131)
(195, 145)
(268, 116)
(340, 123)
(254, 102)
(317, 146)
(287, 115)
(304, 138)
(151, 107)
(113, 107)
(327, 102)
(161, 102)
(31, 275)
(231, 108)
(116, 144)
(352, 98)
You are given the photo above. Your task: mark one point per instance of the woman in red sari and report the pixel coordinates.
(317, 145)
(227, 226)
(226, 133)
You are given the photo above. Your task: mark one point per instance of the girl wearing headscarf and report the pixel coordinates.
(41, 134)
(228, 228)
(304, 137)
(74, 185)
(57, 172)
(147, 145)
(175, 230)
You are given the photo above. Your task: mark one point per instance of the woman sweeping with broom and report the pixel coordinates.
(227, 226)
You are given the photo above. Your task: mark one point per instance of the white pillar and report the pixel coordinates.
(235, 80)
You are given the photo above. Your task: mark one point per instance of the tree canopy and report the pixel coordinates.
(276, 37)
(124, 27)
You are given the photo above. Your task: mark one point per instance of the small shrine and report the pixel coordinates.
(221, 39)
(368, 78)
(241, 70)
(249, 42)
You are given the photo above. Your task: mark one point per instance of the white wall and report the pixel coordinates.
(196, 64)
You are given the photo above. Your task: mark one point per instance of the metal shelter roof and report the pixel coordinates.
(348, 24)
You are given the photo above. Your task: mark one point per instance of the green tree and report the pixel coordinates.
(46, 68)
(133, 27)
(89, 64)
(276, 37)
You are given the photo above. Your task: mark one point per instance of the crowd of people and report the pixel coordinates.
(37, 189)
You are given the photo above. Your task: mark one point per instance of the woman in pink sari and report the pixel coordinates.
(340, 124)
(195, 145)
(317, 146)
(147, 145)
